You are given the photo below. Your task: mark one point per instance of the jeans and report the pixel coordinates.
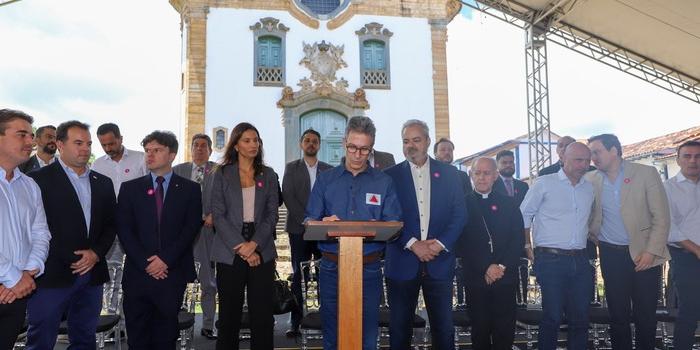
(565, 281)
(631, 296)
(686, 272)
(371, 291)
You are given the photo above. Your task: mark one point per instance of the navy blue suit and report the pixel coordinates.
(405, 273)
(151, 306)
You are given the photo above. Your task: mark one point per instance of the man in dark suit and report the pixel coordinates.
(444, 152)
(506, 184)
(490, 249)
(423, 255)
(297, 182)
(45, 140)
(80, 212)
(158, 217)
(561, 147)
(381, 160)
(200, 170)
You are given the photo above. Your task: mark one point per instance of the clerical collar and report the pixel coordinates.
(483, 195)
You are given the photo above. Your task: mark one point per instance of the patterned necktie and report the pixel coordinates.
(199, 178)
(159, 198)
(509, 187)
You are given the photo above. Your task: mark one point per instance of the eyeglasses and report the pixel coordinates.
(363, 150)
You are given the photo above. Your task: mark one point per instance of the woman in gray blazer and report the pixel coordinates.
(244, 207)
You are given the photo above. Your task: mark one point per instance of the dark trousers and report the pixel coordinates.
(631, 296)
(686, 277)
(232, 281)
(150, 313)
(565, 281)
(301, 250)
(403, 297)
(11, 318)
(492, 314)
(81, 302)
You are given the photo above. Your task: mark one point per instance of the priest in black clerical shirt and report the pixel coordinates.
(491, 246)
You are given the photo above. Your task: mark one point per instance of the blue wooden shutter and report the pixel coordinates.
(269, 51)
(373, 55)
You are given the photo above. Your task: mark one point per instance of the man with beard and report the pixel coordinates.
(444, 152)
(120, 165)
(45, 140)
(423, 256)
(508, 186)
(299, 178)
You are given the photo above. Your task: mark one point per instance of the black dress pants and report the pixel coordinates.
(11, 320)
(492, 312)
(231, 282)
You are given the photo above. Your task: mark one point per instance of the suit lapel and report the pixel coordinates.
(260, 195)
(411, 188)
(305, 179)
(94, 201)
(148, 193)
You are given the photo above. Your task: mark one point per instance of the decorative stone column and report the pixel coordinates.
(438, 31)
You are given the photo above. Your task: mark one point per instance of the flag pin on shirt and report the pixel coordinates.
(373, 199)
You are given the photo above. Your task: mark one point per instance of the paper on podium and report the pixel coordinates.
(377, 231)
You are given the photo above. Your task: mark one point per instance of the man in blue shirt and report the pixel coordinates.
(357, 192)
(560, 205)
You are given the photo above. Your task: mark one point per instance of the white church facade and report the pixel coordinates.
(289, 65)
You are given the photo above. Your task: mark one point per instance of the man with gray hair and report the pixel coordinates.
(353, 191)
(423, 255)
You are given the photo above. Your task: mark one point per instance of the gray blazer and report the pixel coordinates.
(227, 208)
(296, 187)
(185, 170)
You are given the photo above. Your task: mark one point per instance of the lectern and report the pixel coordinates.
(351, 235)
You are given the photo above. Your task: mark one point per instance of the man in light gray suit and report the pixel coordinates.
(200, 170)
(299, 178)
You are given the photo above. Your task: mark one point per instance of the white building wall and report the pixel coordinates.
(231, 96)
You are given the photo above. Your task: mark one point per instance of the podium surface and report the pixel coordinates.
(351, 235)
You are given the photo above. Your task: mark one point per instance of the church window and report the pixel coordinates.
(269, 67)
(374, 56)
(220, 136)
(322, 9)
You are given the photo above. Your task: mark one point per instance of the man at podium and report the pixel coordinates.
(353, 191)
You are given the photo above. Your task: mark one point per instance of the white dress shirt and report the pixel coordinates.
(131, 166)
(42, 163)
(81, 185)
(684, 200)
(313, 170)
(421, 184)
(560, 211)
(24, 234)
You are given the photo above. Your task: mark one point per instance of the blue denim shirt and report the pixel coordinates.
(370, 195)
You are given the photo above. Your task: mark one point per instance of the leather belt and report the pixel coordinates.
(613, 246)
(557, 251)
(366, 259)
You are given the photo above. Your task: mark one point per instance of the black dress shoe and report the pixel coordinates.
(292, 332)
(208, 333)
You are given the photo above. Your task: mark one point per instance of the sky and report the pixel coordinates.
(119, 61)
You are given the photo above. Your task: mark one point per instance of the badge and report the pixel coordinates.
(627, 180)
(126, 171)
(373, 199)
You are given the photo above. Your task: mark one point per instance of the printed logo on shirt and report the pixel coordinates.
(373, 199)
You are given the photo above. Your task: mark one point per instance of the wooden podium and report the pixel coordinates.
(351, 235)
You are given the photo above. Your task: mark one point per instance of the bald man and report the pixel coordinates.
(560, 205)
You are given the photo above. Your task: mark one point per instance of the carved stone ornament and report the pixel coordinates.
(323, 60)
(270, 24)
(375, 29)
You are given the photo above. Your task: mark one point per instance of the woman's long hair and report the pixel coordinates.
(231, 154)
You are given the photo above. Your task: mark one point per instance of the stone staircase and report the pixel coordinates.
(284, 266)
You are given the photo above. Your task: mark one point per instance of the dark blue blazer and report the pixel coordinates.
(448, 216)
(138, 233)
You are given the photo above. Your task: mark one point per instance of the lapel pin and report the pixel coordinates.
(627, 180)
(150, 192)
(494, 208)
(260, 184)
(436, 174)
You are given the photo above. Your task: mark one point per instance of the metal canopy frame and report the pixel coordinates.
(545, 25)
